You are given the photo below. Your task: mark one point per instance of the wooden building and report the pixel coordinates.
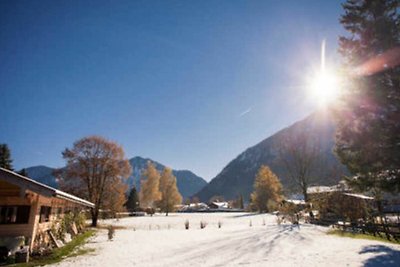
(29, 208)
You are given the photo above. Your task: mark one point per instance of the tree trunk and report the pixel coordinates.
(95, 216)
(383, 218)
(305, 194)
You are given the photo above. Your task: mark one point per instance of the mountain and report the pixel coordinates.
(42, 174)
(238, 176)
(188, 182)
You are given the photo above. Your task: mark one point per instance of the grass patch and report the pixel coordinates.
(71, 249)
(360, 236)
(105, 227)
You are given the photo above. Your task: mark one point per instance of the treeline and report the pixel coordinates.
(97, 170)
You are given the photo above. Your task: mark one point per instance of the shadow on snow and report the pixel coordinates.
(384, 256)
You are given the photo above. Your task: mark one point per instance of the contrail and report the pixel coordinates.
(245, 112)
(323, 55)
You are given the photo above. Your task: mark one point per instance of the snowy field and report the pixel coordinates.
(163, 241)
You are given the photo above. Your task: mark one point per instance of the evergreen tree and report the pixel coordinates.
(133, 200)
(170, 195)
(150, 187)
(368, 132)
(267, 190)
(23, 172)
(5, 157)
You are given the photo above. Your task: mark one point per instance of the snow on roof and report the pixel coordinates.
(296, 201)
(35, 186)
(194, 205)
(335, 188)
(221, 204)
(359, 196)
(341, 186)
(61, 194)
(321, 189)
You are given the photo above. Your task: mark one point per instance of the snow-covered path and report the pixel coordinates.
(163, 241)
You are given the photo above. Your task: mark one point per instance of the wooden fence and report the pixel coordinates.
(388, 231)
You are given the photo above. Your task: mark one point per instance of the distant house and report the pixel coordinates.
(338, 202)
(318, 191)
(29, 209)
(194, 207)
(341, 186)
(216, 205)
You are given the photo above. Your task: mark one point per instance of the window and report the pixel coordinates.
(57, 212)
(14, 214)
(45, 212)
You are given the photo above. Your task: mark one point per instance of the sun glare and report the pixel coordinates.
(324, 85)
(324, 88)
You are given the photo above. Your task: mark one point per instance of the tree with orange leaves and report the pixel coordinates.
(170, 196)
(150, 187)
(95, 170)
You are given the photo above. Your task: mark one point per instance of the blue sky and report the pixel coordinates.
(190, 84)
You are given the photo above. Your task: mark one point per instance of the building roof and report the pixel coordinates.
(321, 189)
(32, 185)
(359, 196)
(335, 188)
(341, 186)
(220, 205)
(296, 201)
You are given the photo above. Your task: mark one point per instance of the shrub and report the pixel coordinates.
(150, 211)
(203, 224)
(111, 232)
(80, 221)
(63, 226)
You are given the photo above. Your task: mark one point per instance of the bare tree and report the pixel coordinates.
(95, 170)
(299, 154)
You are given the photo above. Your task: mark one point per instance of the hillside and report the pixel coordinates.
(42, 174)
(238, 176)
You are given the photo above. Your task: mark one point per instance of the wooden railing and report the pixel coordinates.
(389, 231)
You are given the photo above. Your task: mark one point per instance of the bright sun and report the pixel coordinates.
(324, 88)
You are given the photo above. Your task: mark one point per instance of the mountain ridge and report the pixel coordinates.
(237, 177)
(188, 183)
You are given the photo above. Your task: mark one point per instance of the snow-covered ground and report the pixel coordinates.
(163, 241)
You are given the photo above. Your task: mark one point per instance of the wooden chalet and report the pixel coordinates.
(29, 209)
